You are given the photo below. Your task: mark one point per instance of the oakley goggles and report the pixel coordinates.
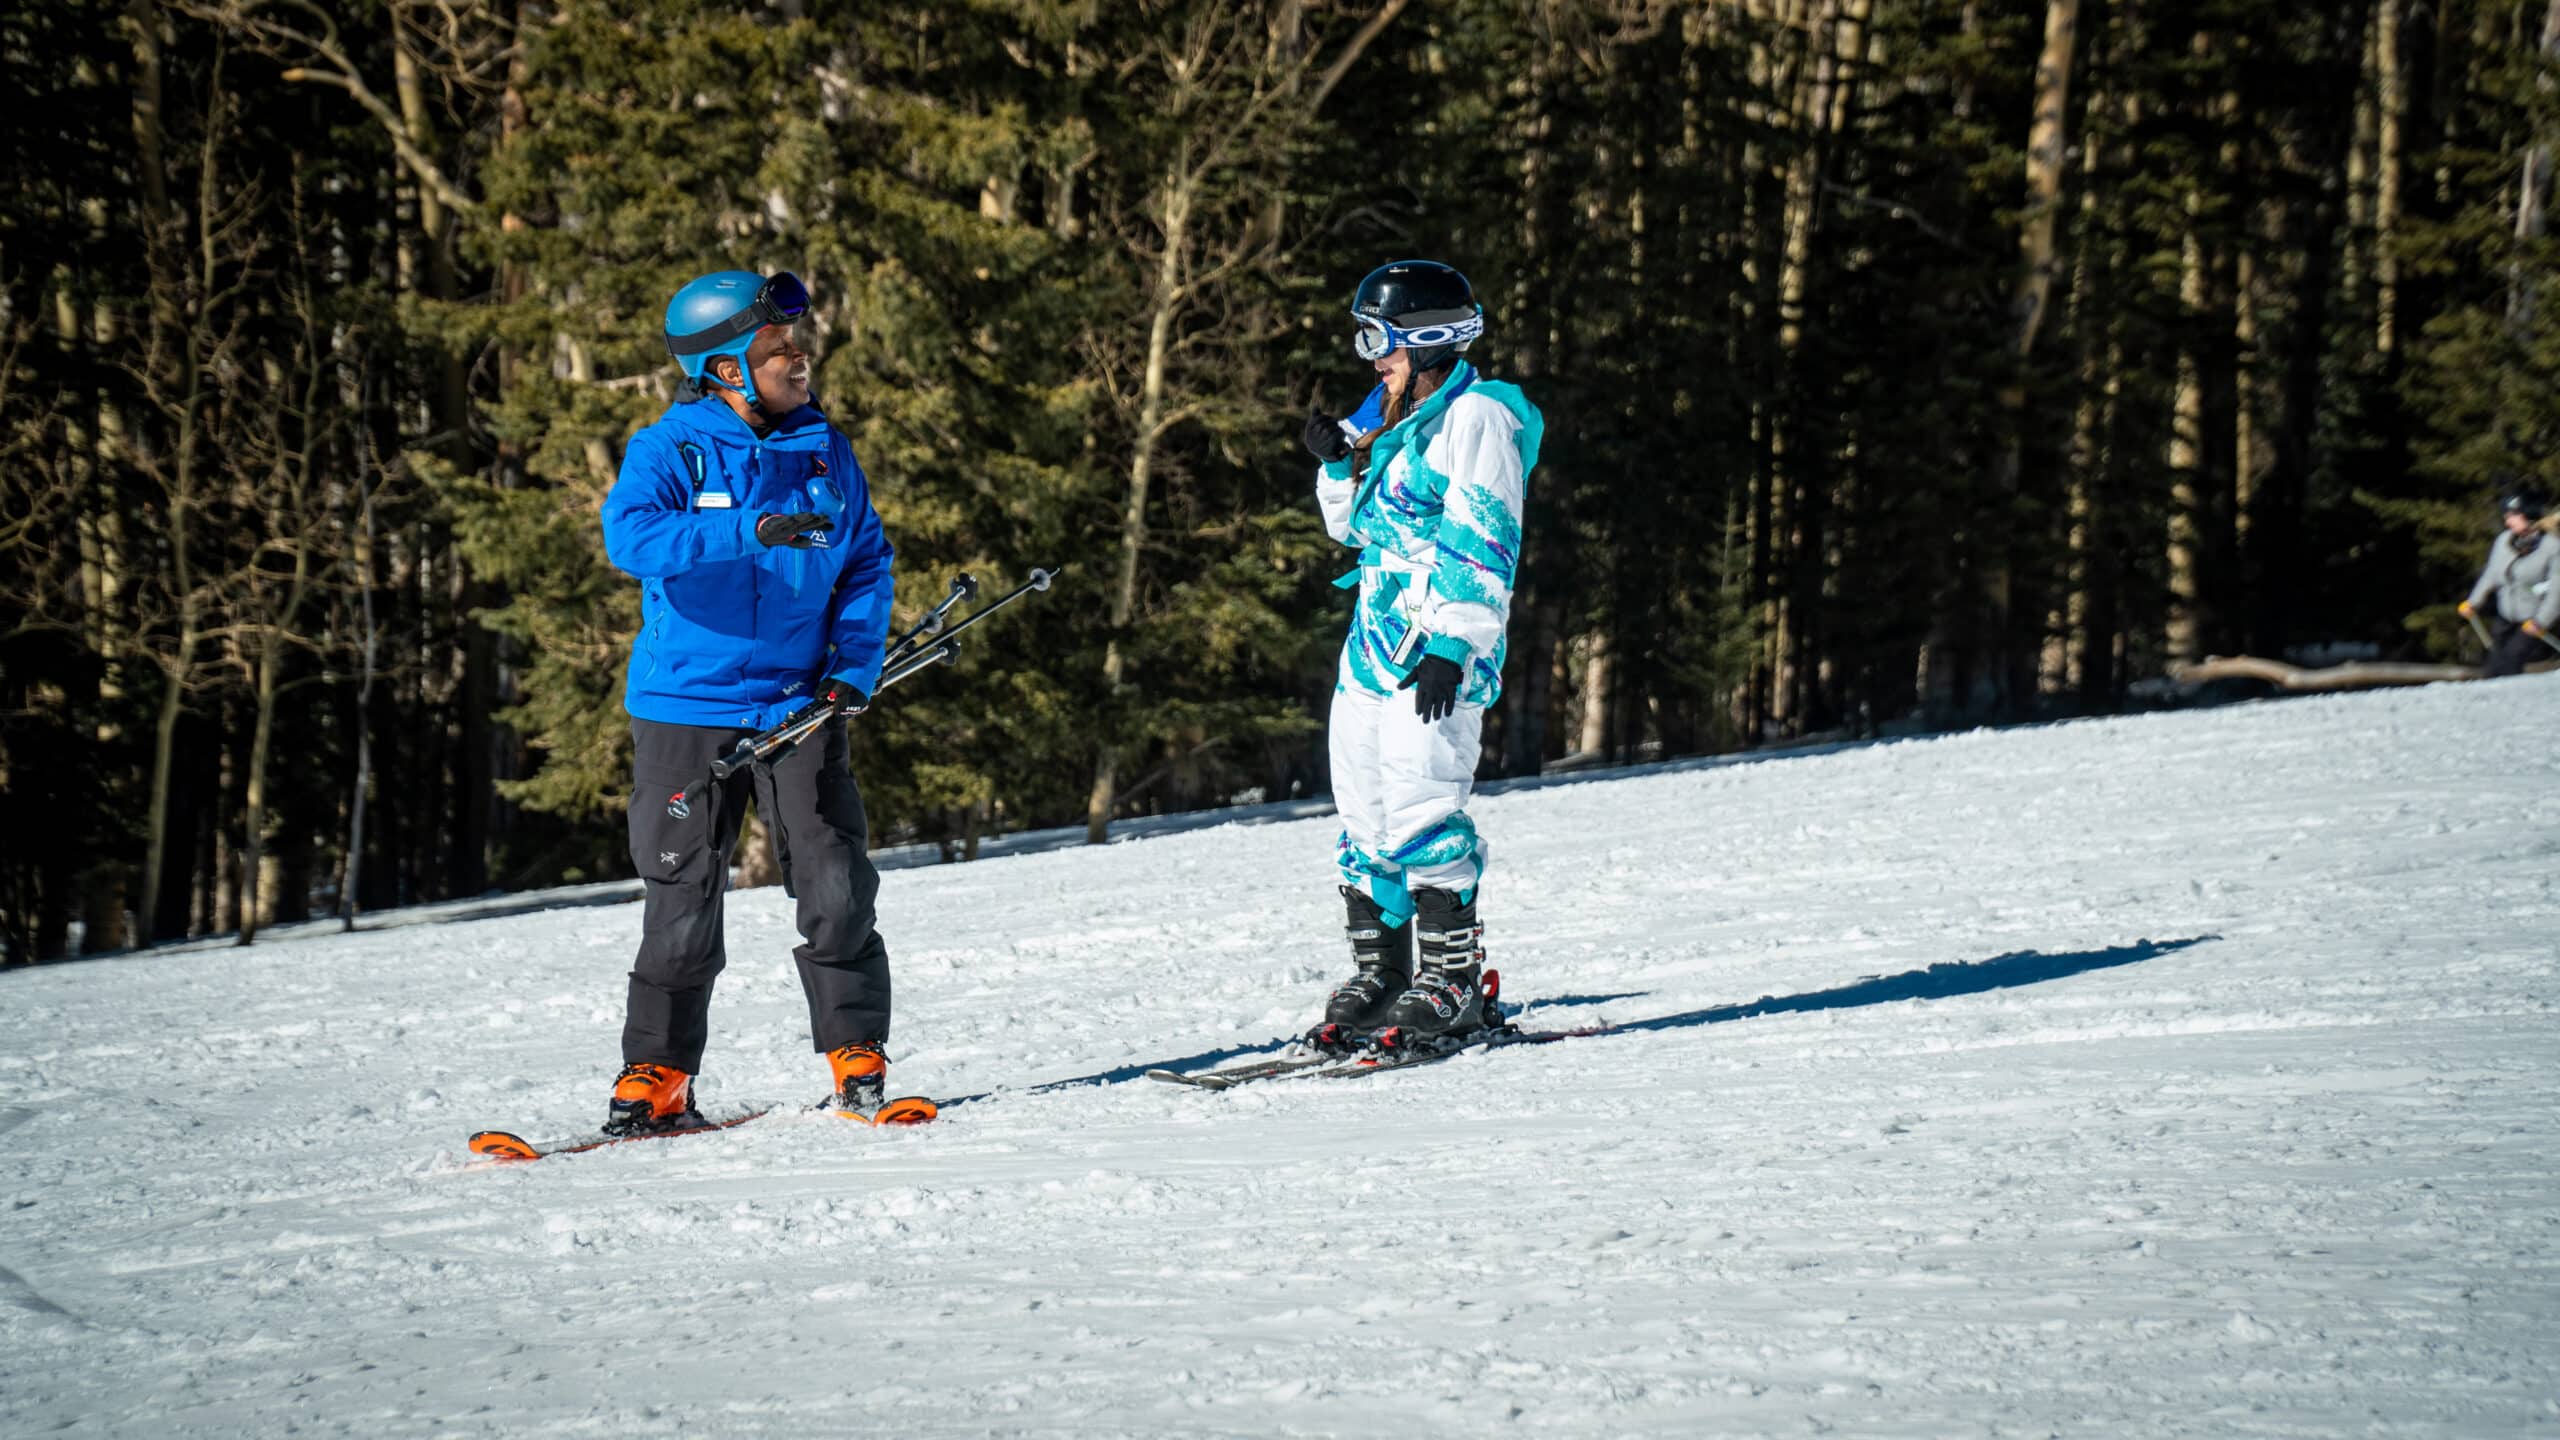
(780, 300)
(1377, 337)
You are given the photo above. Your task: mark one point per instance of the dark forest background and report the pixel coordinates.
(1906, 362)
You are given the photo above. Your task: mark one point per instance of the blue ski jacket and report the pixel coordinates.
(733, 633)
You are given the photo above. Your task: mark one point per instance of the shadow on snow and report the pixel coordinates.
(1937, 982)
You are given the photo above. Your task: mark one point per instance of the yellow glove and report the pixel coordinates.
(2463, 609)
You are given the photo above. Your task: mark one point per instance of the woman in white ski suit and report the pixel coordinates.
(1427, 482)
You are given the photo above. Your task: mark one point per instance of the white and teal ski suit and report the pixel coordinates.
(1436, 519)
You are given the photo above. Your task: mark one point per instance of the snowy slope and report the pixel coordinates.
(2181, 1075)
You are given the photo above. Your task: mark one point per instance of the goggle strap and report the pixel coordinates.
(1377, 336)
(718, 336)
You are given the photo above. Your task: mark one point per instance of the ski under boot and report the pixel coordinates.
(1447, 996)
(649, 1098)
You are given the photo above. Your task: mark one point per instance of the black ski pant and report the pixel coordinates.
(2510, 648)
(681, 846)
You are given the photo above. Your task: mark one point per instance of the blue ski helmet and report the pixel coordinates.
(720, 314)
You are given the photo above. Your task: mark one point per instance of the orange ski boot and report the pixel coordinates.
(862, 1083)
(651, 1097)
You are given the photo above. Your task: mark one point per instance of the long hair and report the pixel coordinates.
(1420, 387)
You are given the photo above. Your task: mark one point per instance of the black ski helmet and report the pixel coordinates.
(1420, 305)
(2525, 501)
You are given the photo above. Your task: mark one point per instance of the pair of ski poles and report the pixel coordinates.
(924, 645)
(2487, 645)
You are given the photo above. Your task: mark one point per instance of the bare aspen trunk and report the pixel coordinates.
(435, 238)
(270, 677)
(2204, 443)
(253, 811)
(1788, 491)
(1595, 698)
(2187, 484)
(142, 22)
(348, 900)
(2392, 122)
(2046, 153)
(2000, 670)
(597, 448)
(179, 669)
(2087, 606)
(2356, 265)
(222, 867)
(291, 507)
(97, 536)
(1524, 735)
(2533, 185)
(155, 845)
(1176, 225)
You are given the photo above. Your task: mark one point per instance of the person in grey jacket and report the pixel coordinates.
(2523, 576)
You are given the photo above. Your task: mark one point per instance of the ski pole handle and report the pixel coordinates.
(942, 650)
(963, 588)
(904, 659)
(942, 654)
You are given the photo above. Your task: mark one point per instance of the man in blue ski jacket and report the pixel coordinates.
(765, 585)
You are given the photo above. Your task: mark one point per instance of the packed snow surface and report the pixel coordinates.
(2190, 1074)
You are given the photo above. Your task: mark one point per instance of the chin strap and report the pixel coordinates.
(696, 387)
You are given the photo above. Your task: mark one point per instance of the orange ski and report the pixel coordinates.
(905, 1110)
(504, 1145)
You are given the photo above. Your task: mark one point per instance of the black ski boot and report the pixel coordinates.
(1447, 996)
(1385, 957)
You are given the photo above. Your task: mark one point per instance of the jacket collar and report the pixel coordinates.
(710, 419)
(1374, 409)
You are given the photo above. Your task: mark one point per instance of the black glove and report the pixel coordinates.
(785, 530)
(1434, 684)
(1324, 438)
(846, 696)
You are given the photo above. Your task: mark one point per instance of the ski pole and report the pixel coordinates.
(942, 650)
(964, 588)
(766, 747)
(2480, 630)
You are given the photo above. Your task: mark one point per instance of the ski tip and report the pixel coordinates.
(905, 1110)
(499, 1145)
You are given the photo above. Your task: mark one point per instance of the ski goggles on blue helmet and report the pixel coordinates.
(715, 303)
(1376, 337)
